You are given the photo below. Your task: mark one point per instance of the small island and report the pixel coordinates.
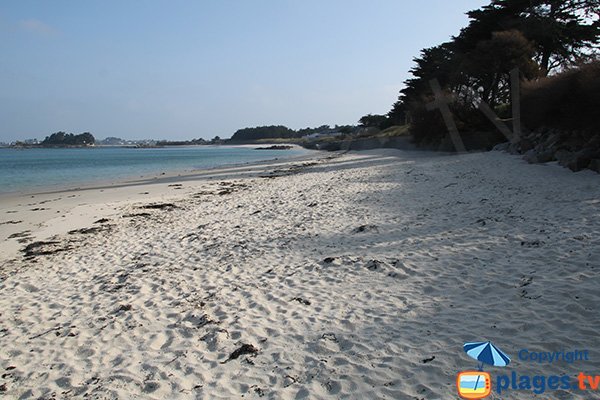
(61, 139)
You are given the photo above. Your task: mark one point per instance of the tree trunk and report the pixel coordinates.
(545, 63)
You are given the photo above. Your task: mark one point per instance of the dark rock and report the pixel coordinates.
(530, 156)
(581, 160)
(564, 157)
(502, 147)
(595, 165)
(525, 145)
(275, 147)
(513, 148)
(537, 157)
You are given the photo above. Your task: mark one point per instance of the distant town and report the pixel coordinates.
(261, 134)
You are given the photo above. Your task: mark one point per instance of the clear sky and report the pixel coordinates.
(186, 69)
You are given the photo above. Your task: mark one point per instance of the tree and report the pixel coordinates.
(263, 132)
(486, 69)
(562, 31)
(398, 114)
(373, 121)
(69, 139)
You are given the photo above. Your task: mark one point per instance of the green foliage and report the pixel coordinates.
(192, 142)
(69, 139)
(375, 121)
(486, 69)
(535, 36)
(392, 131)
(263, 132)
(567, 101)
(562, 31)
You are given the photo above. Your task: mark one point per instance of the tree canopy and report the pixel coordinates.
(263, 132)
(69, 139)
(539, 37)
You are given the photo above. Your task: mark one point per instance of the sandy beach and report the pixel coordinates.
(339, 276)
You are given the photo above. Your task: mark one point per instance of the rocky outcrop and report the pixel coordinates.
(576, 150)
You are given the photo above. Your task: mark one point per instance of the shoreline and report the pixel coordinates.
(137, 179)
(38, 222)
(346, 276)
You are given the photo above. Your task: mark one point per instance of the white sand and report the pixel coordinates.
(345, 275)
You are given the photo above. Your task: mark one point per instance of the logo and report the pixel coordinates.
(478, 384)
(474, 384)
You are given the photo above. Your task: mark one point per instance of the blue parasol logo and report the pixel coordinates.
(486, 353)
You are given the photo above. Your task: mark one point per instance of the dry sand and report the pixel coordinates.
(354, 276)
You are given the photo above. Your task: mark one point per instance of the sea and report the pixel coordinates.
(39, 169)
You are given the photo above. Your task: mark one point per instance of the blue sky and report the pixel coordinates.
(187, 69)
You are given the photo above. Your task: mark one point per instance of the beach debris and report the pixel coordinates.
(123, 308)
(42, 248)
(301, 301)
(176, 185)
(428, 360)
(55, 329)
(374, 265)
(366, 228)
(137, 215)
(532, 243)
(190, 237)
(20, 235)
(240, 351)
(525, 295)
(289, 380)
(329, 336)
(102, 221)
(160, 206)
(199, 322)
(10, 222)
(85, 231)
(329, 260)
(526, 281)
(259, 392)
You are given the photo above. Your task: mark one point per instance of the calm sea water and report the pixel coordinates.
(27, 170)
